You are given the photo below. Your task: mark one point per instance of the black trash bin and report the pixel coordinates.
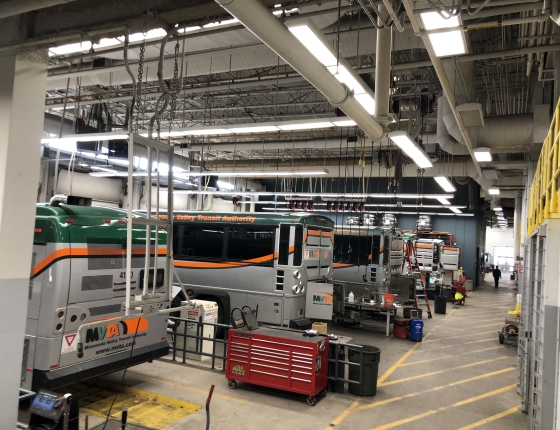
(370, 367)
(440, 304)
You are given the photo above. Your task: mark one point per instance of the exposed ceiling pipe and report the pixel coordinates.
(17, 7)
(555, 11)
(447, 89)
(264, 25)
(382, 67)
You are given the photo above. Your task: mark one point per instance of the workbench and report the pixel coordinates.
(363, 306)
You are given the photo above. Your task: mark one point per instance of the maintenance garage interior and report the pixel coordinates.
(314, 214)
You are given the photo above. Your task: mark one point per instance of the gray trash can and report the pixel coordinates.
(370, 366)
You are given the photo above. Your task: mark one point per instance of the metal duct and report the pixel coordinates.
(263, 24)
(447, 142)
(506, 131)
(17, 7)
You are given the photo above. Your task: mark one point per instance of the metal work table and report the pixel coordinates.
(359, 306)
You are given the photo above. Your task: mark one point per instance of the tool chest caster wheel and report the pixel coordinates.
(232, 384)
(324, 393)
(311, 400)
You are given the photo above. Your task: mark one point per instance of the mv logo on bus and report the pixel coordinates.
(131, 326)
(323, 299)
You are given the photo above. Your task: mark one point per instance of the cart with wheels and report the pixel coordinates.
(284, 359)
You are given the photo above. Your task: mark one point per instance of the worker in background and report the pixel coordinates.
(497, 274)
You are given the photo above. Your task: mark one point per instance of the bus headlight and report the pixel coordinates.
(297, 274)
(298, 289)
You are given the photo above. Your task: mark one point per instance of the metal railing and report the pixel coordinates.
(183, 328)
(335, 349)
(544, 199)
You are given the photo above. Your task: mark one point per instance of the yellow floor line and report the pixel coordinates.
(460, 336)
(397, 364)
(448, 356)
(450, 313)
(388, 373)
(492, 418)
(437, 372)
(443, 408)
(457, 344)
(186, 387)
(344, 414)
(441, 387)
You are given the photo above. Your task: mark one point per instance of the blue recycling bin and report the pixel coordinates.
(416, 327)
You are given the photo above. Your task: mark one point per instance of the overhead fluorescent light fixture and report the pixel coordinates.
(411, 148)
(445, 184)
(257, 128)
(206, 131)
(156, 33)
(482, 154)
(498, 208)
(444, 43)
(74, 48)
(313, 39)
(91, 137)
(221, 23)
(103, 169)
(443, 201)
(305, 125)
(253, 173)
(367, 102)
(313, 42)
(454, 209)
(345, 123)
(189, 29)
(494, 191)
(225, 185)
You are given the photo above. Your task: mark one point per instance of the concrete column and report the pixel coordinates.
(23, 80)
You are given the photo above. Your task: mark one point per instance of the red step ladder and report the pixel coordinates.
(411, 260)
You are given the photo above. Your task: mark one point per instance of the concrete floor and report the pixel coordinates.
(459, 377)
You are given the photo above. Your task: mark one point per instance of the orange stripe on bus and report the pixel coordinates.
(423, 246)
(81, 252)
(340, 265)
(203, 265)
(314, 232)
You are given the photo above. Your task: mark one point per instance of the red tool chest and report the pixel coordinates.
(280, 359)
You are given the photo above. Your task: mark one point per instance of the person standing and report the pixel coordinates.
(497, 274)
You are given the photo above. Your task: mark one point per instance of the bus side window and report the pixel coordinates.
(249, 243)
(284, 245)
(176, 235)
(202, 242)
(298, 246)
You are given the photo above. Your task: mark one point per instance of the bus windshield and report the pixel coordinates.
(356, 250)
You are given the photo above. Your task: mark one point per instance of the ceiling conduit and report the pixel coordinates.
(264, 25)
